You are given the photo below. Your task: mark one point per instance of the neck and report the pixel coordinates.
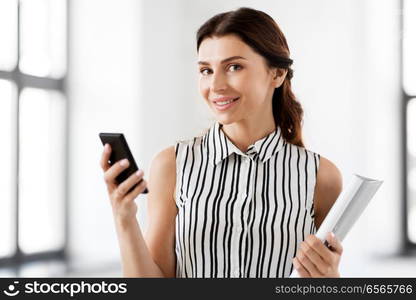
(245, 132)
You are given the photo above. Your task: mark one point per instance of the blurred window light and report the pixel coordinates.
(8, 124)
(53, 268)
(411, 127)
(411, 165)
(41, 170)
(411, 179)
(43, 38)
(409, 46)
(8, 272)
(411, 228)
(8, 34)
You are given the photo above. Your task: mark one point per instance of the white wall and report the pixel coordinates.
(104, 87)
(133, 70)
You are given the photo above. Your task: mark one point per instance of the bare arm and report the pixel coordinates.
(327, 189)
(162, 211)
(136, 254)
(313, 259)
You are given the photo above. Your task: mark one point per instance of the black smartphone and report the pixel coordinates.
(120, 150)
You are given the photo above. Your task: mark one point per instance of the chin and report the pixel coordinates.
(225, 120)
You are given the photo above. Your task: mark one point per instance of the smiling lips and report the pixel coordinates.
(223, 103)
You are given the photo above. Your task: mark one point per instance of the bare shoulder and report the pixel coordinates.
(327, 189)
(164, 159)
(163, 169)
(329, 176)
(161, 211)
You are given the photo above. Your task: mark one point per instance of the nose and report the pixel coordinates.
(218, 82)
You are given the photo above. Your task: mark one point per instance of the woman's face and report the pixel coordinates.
(234, 80)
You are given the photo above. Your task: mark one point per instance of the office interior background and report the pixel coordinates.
(71, 69)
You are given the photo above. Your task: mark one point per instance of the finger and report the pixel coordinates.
(308, 264)
(335, 243)
(317, 245)
(115, 170)
(127, 184)
(105, 157)
(315, 258)
(136, 191)
(300, 269)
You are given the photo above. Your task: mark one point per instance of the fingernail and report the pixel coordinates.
(139, 173)
(124, 162)
(106, 147)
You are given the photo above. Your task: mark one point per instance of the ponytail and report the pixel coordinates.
(288, 112)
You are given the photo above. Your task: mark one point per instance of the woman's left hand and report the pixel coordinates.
(314, 259)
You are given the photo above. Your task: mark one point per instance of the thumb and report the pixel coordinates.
(334, 243)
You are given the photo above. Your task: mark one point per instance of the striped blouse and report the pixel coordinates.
(242, 214)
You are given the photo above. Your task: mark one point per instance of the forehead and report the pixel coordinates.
(214, 49)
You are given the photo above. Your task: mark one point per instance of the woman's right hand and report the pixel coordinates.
(122, 203)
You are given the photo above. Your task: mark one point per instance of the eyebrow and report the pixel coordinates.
(223, 61)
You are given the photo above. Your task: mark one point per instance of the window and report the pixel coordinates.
(8, 176)
(33, 114)
(409, 95)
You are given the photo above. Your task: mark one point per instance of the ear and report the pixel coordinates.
(279, 76)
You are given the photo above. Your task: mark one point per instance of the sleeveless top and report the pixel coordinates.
(242, 214)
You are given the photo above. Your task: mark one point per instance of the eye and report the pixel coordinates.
(204, 71)
(235, 67)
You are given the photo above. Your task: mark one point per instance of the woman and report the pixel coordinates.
(245, 198)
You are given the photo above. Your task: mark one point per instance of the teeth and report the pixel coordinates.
(225, 102)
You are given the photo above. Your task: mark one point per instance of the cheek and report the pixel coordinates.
(257, 89)
(253, 89)
(203, 88)
(240, 83)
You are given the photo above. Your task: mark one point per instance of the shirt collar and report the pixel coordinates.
(219, 146)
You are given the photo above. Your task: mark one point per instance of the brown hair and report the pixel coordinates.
(258, 30)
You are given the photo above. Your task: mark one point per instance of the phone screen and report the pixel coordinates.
(119, 151)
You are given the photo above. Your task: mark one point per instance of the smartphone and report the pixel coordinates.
(120, 150)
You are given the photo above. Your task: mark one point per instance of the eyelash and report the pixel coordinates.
(235, 65)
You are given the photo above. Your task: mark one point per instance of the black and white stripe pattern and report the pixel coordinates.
(242, 214)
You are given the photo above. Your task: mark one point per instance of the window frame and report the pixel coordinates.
(409, 247)
(21, 81)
